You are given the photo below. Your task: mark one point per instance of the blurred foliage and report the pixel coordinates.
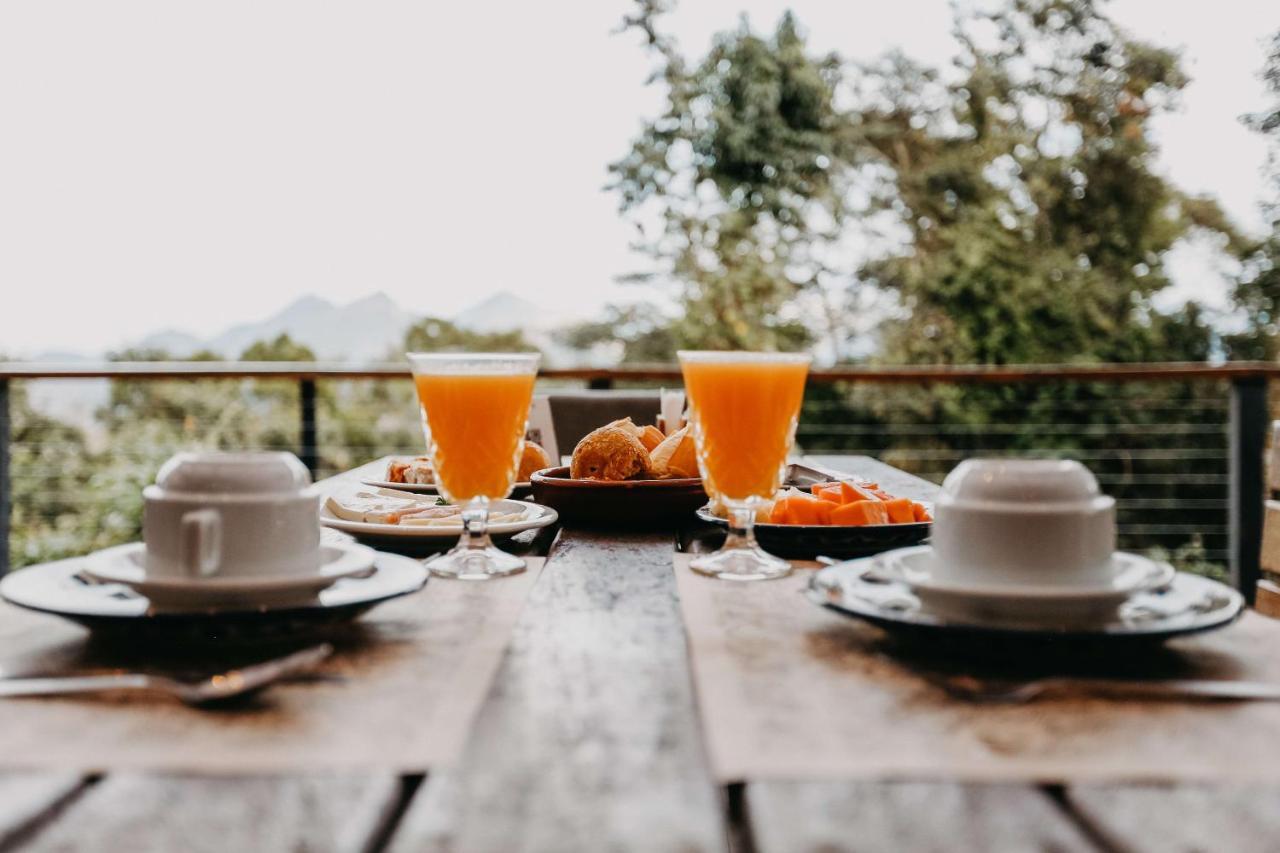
(1258, 293)
(745, 169)
(432, 334)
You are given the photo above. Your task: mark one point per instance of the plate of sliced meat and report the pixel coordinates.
(415, 474)
(380, 513)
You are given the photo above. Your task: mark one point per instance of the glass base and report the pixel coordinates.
(741, 564)
(475, 564)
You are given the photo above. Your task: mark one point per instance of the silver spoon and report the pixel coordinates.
(217, 688)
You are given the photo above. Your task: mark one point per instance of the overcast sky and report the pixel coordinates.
(190, 165)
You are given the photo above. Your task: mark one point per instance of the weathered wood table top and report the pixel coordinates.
(589, 740)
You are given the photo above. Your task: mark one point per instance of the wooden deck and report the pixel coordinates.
(589, 740)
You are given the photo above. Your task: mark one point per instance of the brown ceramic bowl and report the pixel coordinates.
(632, 504)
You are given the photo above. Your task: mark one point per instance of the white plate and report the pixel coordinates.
(535, 516)
(428, 488)
(1128, 575)
(62, 589)
(125, 565)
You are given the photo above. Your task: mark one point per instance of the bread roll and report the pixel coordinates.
(611, 452)
(651, 437)
(676, 456)
(532, 458)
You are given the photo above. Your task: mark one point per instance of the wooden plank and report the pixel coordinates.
(917, 816)
(589, 739)
(787, 816)
(1269, 556)
(141, 813)
(28, 800)
(1180, 817)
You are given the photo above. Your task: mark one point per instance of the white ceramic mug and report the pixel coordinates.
(1023, 522)
(231, 515)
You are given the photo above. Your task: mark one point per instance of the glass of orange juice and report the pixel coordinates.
(743, 407)
(475, 409)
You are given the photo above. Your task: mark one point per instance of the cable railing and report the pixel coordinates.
(1180, 446)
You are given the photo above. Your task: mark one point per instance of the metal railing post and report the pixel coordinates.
(1248, 491)
(308, 452)
(6, 486)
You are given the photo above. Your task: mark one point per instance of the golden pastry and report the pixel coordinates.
(676, 456)
(532, 458)
(610, 453)
(651, 437)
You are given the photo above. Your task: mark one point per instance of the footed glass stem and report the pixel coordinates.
(741, 558)
(475, 557)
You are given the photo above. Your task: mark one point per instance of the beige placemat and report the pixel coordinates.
(405, 682)
(789, 690)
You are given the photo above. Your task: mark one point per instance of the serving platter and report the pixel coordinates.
(533, 516)
(629, 504)
(810, 541)
(518, 491)
(1189, 604)
(63, 589)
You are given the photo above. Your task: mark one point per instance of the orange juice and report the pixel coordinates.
(744, 418)
(476, 422)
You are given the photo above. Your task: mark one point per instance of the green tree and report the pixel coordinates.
(1259, 290)
(747, 167)
(282, 348)
(431, 334)
(1035, 224)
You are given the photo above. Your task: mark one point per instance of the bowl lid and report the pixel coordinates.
(1021, 482)
(238, 473)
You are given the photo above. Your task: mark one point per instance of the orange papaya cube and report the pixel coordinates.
(919, 513)
(900, 510)
(851, 492)
(806, 509)
(830, 492)
(779, 515)
(860, 512)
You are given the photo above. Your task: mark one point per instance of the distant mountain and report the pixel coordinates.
(502, 312)
(176, 343)
(363, 330)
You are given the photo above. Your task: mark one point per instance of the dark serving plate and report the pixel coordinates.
(109, 610)
(1188, 605)
(810, 541)
(629, 504)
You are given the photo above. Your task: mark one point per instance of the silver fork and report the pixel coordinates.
(973, 689)
(216, 688)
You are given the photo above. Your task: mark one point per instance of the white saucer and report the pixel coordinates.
(1127, 575)
(126, 565)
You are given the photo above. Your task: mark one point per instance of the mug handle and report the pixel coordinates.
(201, 542)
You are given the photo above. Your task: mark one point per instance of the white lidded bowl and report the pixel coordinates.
(1028, 522)
(231, 515)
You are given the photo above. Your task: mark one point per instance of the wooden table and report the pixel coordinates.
(590, 740)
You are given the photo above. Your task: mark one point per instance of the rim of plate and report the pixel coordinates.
(1147, 574)
(822, 590)
(421, 488)
(544, 516)
(543, 476)
(706, 514)
(352, 558)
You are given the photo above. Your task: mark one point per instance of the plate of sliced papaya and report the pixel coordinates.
(837, 518)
